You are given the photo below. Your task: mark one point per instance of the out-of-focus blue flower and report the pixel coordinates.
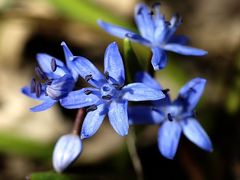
(66, 151)
(156, 33)
(174, 117)
(56, 79)
(108, 96)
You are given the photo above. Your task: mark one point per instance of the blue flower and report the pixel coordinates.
(156, 33)
(56, 79)
(174, 117)
(108, 96)
(66, 151)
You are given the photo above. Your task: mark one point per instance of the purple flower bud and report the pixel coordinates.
(66, 151)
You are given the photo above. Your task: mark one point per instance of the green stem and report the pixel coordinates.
(131, 145)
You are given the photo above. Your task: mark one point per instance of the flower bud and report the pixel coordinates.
(66, 151)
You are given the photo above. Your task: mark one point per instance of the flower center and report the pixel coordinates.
(173, 112)
(108, 91)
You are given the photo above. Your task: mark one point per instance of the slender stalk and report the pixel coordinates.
(131, 145)
(78, 121)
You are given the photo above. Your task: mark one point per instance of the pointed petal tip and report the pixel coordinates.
(204, 53)
(169, 157)
(100, 21)
(84, 136)
(34, 109)
(63, 43)
(121, 133)
(167, 154)
(157, 67)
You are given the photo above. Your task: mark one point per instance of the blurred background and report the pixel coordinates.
(28, 27)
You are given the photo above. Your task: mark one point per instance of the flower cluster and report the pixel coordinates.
(108, 95)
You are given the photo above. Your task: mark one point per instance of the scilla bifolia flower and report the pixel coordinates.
(156, 33)
(108, 96)
(174, 117)
(55, 80)
(66, 151)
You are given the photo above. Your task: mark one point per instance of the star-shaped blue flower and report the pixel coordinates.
(174, 117)
(156, 33)
(108, 96)
(56, 79)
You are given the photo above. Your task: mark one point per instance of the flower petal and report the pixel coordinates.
(191, 92)
(168, 138)
(79, 99)
(159, 58)
(113, 29)
(175, 22)
(113, 64)
(179, 39)
(195, 133)
(145, 78)
(68, 57)
(139, 39)
(67, 53)
(44, 106)
(44, 61)
(144, 115)
(118, 117)
(184, 50)
(85, 68)
(60, 87)
(27, 91)
(66, 151)
(141, 92)
(93, 121)
(144, 21)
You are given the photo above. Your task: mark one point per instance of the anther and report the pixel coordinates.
(167, 23)
(91, 108)
(165, 91)
(53, 64)
(38, 89)
(40, 73)
(192, 90)
(88, 77)
(169, 117)
(151, 13)
(33, 85)
(87, 91)
(117, 86)
(107, 97)
(106, 75)
(140, 11)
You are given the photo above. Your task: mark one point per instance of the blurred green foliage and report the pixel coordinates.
(15, 144)
(87, 12)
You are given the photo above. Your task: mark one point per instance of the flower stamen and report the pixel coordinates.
(169, 117)
(87, 91)
(38, 89)
(88, 77)
(91, 108)
(107, 97)
(53, 64)
(33, 85)
(40, 73)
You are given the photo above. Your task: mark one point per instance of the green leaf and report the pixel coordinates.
(15, 144)
(87, 12)
(131, 61)
(51, 176)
